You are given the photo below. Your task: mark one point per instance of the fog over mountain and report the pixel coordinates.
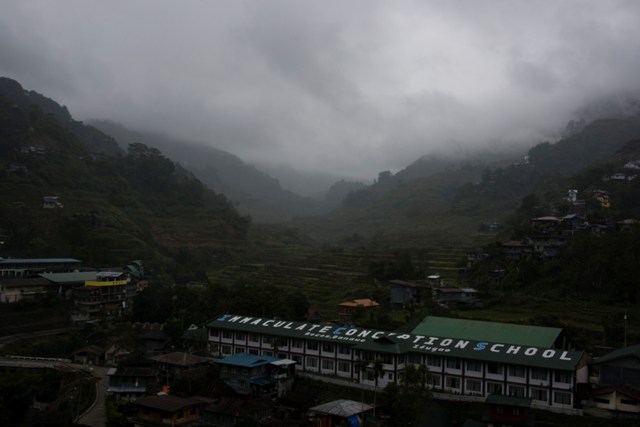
(344, 88)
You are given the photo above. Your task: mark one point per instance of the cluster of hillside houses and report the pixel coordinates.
(550, 233)
(249, 363)
(99, 295)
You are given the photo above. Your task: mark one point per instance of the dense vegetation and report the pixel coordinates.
(117, 207)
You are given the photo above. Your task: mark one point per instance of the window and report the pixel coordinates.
(539, 374)
(327, 347)
(226, 349)
(494, 388)
(312, 362)
(267, 339)
(474, 386)
(539, 394)
(227, 334)
(435, 381)
(601, 400)
(494, 368)
(435, 361)
(562, 398)
(312, 345)
(267, 353)
(344, 366)
(239, 350)
(344, 349)
(414, 358)
(327, 364)
(296, 358)
(254, 337)
(516, 390)
(474, 366)
(517, 371)
(240, 336)
(515, 411)
(254, 351)
(243, 384)
(453, 382)
(387, 358)
(499, 410)
(213, 332)
(296, 343)
(453, 363)
(629, 402)
(562, 377)
(390, 376)
(371, 375)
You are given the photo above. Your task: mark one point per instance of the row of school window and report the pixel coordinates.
(513, 371)
(473, 386)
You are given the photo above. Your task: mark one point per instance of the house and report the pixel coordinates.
(90, 355)
(508, 411)
(403, 294)
(545, 222)
(32, 267)
(130, 383)
(232, 411)
(177, 365)
(618, 368)
(633, 164)
(628, 224)
(434, 280)
(51, 202)
(151, 338)
(620, 398)
(454, 296)
(65, 282)
(108, 297)
(14, 290)
(338, 413)
(116, 353)
(517, 249)
(347, 308)
(249, 374)
(154, 411)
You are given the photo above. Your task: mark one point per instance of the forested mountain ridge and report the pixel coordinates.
(252, 191)
(117, 206)
(435, 200)
(94, 140)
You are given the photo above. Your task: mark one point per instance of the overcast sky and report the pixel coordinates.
(350, 87)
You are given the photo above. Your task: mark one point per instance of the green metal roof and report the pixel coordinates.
(508, 333)
(397, 343)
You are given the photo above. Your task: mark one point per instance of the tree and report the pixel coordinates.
(378, 372)
(361, 367)
(406, 402)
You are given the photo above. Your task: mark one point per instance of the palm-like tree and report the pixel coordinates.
(378, 370)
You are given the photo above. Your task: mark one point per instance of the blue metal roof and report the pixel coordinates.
(244, 360)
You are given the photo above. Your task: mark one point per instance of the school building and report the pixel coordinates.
(462, 356)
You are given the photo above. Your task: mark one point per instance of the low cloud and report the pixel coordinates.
(350, 88)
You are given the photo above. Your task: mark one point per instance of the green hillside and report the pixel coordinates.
(117, 206)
